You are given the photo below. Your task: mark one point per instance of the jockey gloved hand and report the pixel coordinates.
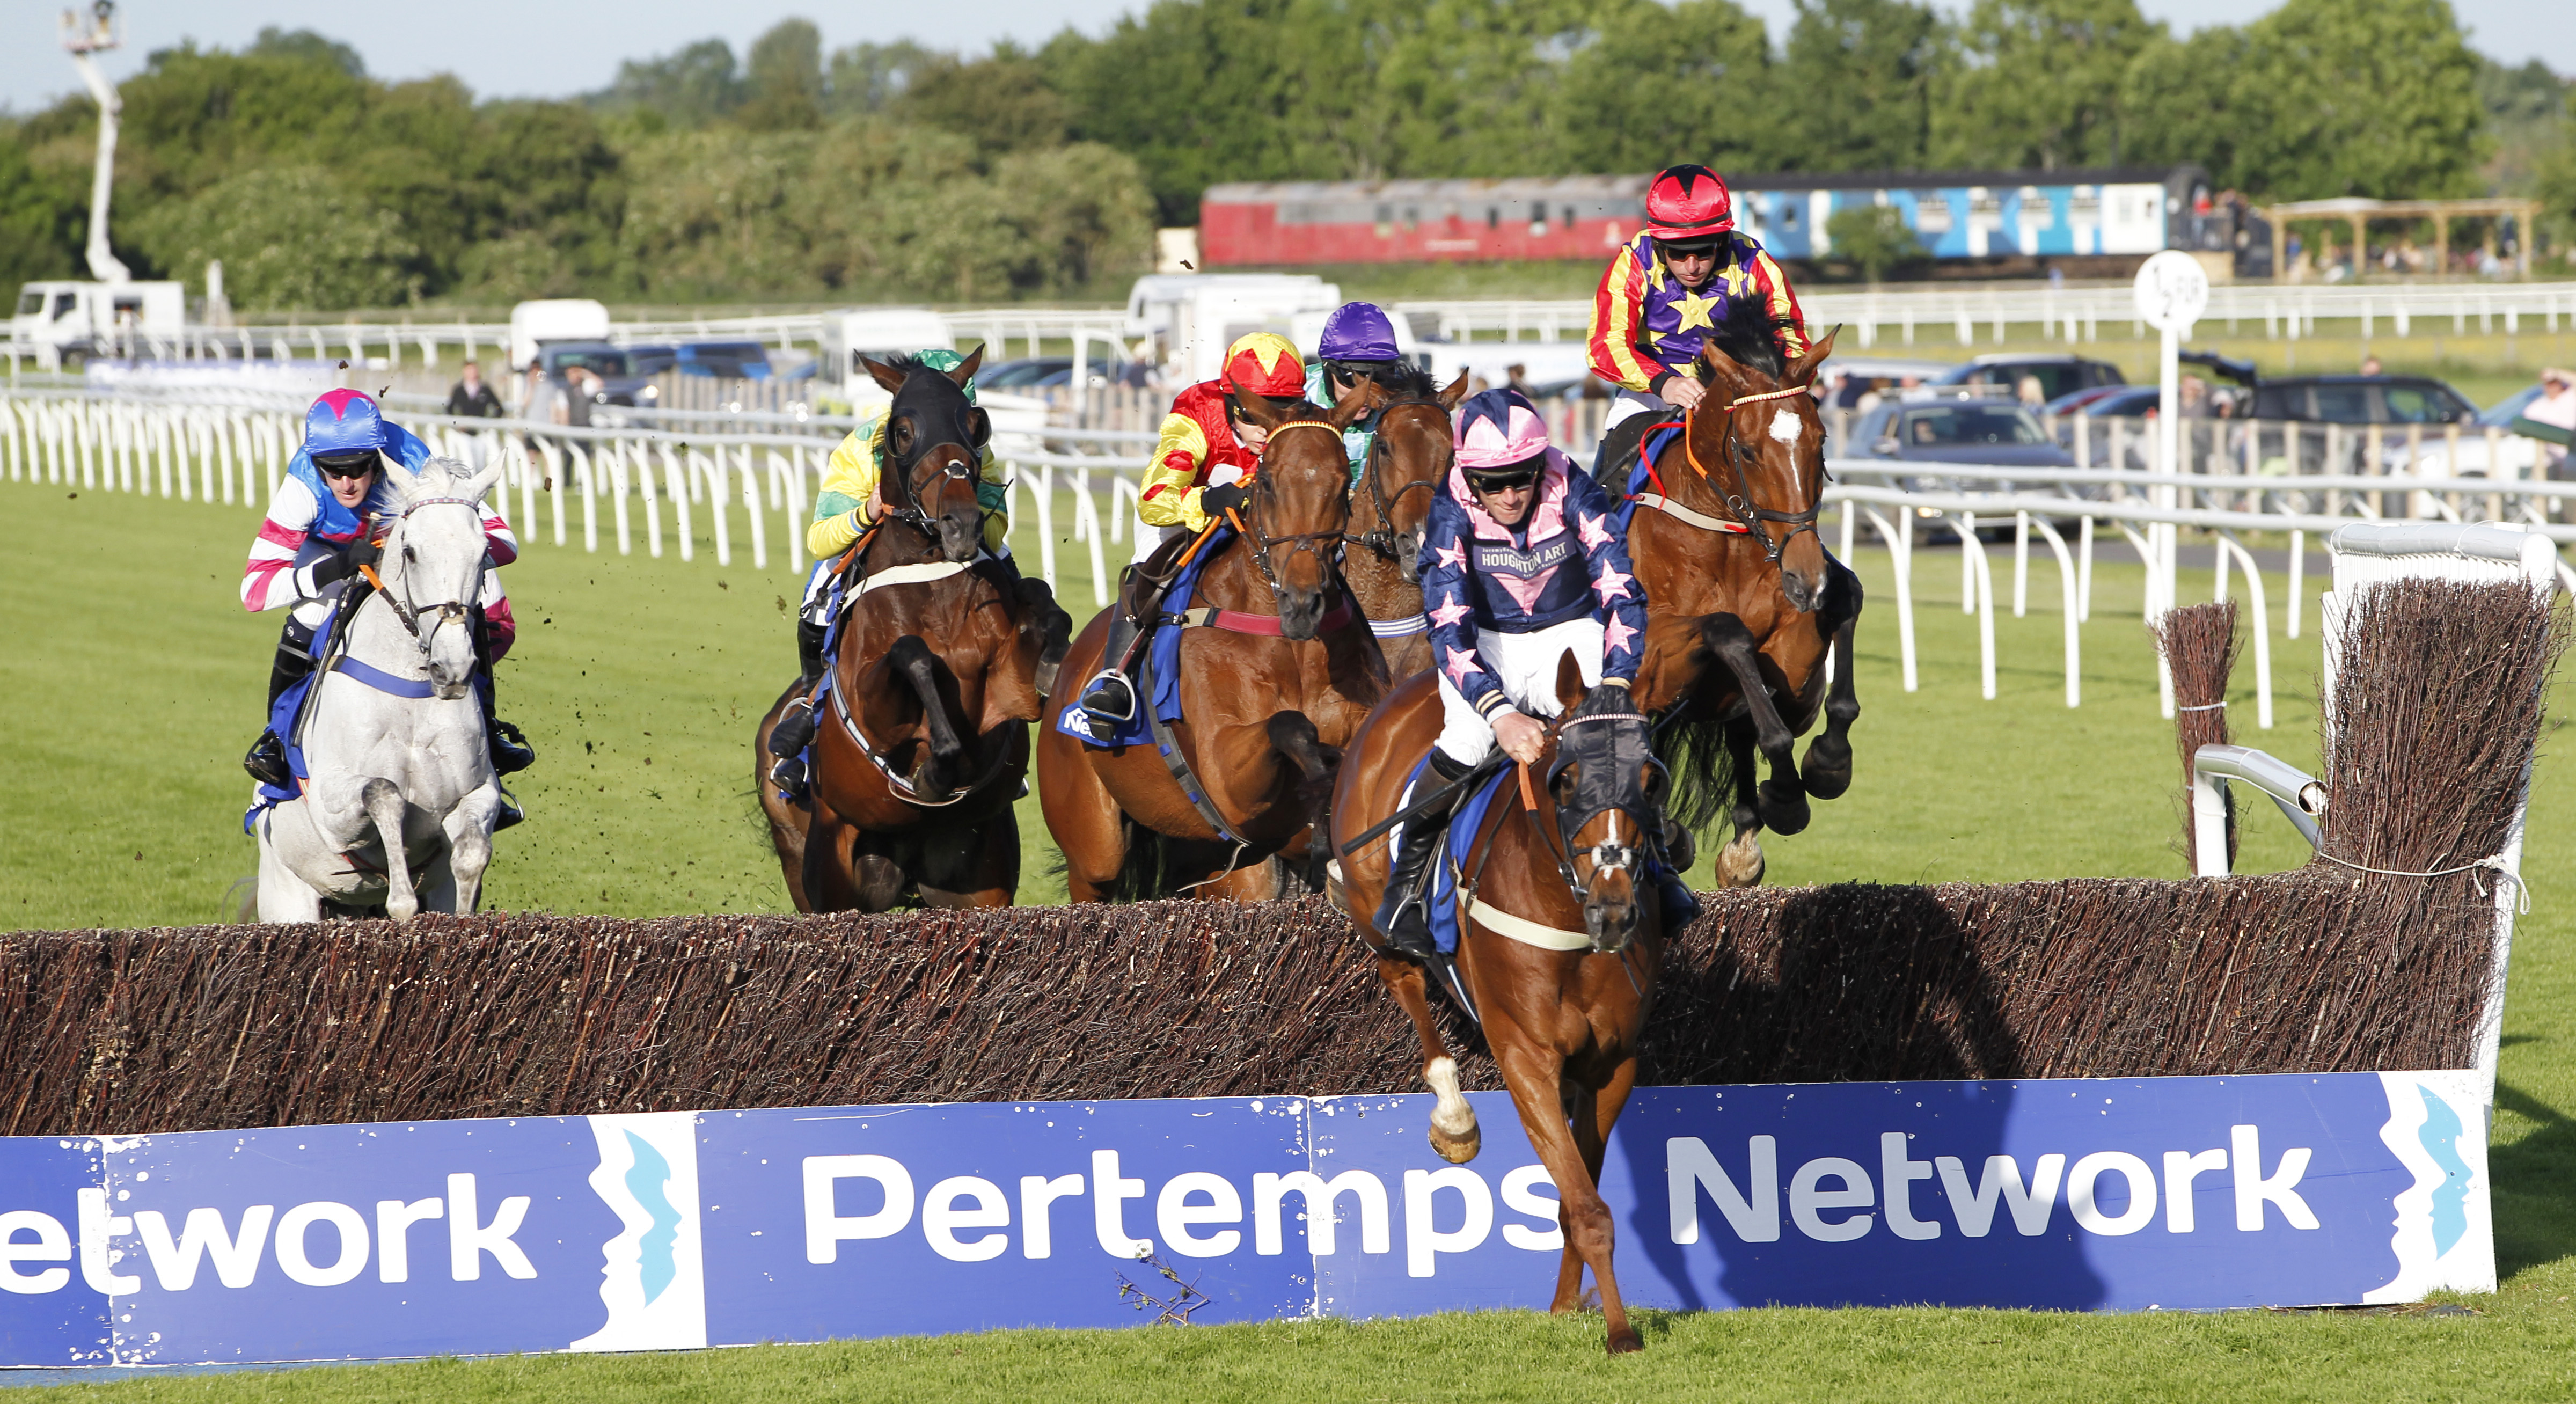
(347, 561)
(1221, 499)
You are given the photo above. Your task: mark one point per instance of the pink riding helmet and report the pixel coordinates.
(1499, 429)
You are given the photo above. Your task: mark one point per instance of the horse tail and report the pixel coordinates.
(1703, 770)
(1143, 874)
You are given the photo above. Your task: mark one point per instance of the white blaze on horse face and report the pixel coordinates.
(1784, 429)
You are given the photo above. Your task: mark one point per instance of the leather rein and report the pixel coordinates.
(1304, 542)
(1748, 518)
(443, 613)
(1382, 539)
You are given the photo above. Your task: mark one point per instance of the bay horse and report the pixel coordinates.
(1742, 601)
(1408, 459)
(400, 798)
(1271, 685)
(939, 667)
(1560, 939)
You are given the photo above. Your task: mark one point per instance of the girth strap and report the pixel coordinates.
(1169, 747)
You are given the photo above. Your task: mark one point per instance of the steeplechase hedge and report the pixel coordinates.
(2329, 968)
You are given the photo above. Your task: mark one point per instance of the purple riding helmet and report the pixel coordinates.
(1358, 331)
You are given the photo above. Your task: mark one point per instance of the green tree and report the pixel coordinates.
(690, 88)
(1001, 102)
(1195, 93)
(2554, 182)
(1654, 86)
(2179, 102)
(2357, 97)
(1856, 85)
(41, 217)
(866, 78)
(305, 46)
(786, 79)
(1875, 239)
(291, 237)
(2036, 83)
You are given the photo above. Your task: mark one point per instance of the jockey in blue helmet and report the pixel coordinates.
(1358, 344)
(315, 540)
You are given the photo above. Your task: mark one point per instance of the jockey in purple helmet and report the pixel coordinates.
(315, 540)
(1358, 344)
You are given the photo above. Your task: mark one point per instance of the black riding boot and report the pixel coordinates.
(1111, 698)
(809, 650)
(787, 741)
(1404, 915)
(267, 759)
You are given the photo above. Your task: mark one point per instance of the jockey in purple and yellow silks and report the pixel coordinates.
(1673, 285)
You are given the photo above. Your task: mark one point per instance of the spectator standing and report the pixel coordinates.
(2556, 408)
(471, 398)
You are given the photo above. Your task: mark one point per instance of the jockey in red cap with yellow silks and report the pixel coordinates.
(1673, 285)
(1203, 451)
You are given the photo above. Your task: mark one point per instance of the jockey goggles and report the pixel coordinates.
(346, 465)
(1356, 371)
(1688, 248)
(1507, 477)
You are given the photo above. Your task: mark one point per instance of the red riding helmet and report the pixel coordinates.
(1265, 364)
(1688, 203)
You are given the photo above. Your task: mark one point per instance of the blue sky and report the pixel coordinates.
(551, 50)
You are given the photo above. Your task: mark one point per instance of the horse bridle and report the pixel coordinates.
(1739, 503)
(1305, 542)
(448, 612)
(1605, 856)
(1382, 540)
(909, 511)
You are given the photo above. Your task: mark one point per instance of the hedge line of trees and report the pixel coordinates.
(889, 169)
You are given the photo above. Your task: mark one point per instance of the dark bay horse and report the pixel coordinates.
(921, 748)
(1408, 460)
(1560, 939)
(1742, 601)
(1269, 692)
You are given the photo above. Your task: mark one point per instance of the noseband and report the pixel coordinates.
(1382, 539)
(1307, 542)
(1739, 503)
(448, 612)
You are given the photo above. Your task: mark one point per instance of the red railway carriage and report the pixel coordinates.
(1418, 221)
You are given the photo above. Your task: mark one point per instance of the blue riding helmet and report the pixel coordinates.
(1358, 331)
(344, 422)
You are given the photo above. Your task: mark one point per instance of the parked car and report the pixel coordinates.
(1023, 373)
(725, 360)
(2059, 373)
(2126, 401)
(2362, 399)
(1988, 431)
(620, 384)
(2514, 456)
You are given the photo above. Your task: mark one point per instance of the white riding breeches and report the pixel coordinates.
(1525, 665)
(1629, 405)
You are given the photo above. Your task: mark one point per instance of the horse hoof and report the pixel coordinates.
(1622, 1342)
(402, 911)
(1458, 1150)
(1784, 807)
(1741, 864)
(1827, 771)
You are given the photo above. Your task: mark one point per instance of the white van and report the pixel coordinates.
(70, 321)
(1193, 317)
(532, 324)
(876, 332)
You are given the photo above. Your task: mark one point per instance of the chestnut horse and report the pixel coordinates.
(1742, 602)
(1267, 699)
(920, 751)
(1560, 939)
(1408, 460)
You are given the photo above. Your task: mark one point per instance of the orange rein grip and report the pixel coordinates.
(1529, 798)
(373, 579)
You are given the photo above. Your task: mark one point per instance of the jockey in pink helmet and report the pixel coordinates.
(1520, 563)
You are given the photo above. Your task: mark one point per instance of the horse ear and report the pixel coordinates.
(1802, 371)
(883, 374)
(979, 427)
(1569, 681)
(1457, 391)
(482, 482)
(1256, 409)
(966, 369)
(1362, 399)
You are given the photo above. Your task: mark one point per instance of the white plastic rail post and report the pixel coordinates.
(2068, 607)
(1981, 589)
(2227, 545)
(1900, 554)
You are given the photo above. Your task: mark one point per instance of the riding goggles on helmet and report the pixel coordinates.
(347, 465)
(1507, 477)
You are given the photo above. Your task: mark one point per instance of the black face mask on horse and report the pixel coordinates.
(931, 419)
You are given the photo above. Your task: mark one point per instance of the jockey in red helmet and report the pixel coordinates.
(1672, 285)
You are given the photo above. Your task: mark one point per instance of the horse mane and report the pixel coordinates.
(1748, 335)
(1408, 382)
(416, 485)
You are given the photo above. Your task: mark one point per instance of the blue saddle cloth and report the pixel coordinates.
(1641, 473)
(1680, 905)
(1163, 655)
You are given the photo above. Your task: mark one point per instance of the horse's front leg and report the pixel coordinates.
(384, 804)
(920, 670)
(1535, 1073)
(1740, 863)
(1454, 1133)
(1784, 798)
(469, 844)
(1592, 1112)
(1827, 772)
